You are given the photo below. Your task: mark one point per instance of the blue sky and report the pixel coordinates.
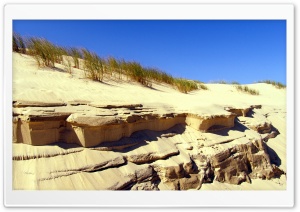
(231, 50)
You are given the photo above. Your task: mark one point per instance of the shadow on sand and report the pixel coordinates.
(141, 138)
(225, 132)
(125, 144)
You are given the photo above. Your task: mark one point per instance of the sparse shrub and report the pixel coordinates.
(274, 83)
(246, 89)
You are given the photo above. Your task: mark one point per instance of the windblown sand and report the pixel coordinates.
(69, 167)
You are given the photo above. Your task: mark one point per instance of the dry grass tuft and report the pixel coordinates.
(274, 83)
(246, 89)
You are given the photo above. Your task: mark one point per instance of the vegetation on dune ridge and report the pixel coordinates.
(225, 82)
(219, 82)
(246, 89)
(93, 65)
(96, 68)
(19, 44)
(45, 53)
(184, 85)
(274, 83)
(75, 54)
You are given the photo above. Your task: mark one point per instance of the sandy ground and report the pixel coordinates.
(31, 83)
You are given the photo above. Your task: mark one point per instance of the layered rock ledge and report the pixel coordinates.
(47, 125)
(132, 147)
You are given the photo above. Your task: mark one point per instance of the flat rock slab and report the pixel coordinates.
(38, 104)
(93, 121)
(108, 179)
(65, 165)
(154, 150)
(25, 152)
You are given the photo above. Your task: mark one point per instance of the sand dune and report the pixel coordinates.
(74, 133)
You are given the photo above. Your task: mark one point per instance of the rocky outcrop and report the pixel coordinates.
(127, 147)
(210, 123)
(122, 178)
(242, 111)
(41, 127)
(236, 164)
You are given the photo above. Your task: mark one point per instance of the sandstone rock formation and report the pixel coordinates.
(117, 147)
(70, 125)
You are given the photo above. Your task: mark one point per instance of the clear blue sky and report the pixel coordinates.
(244, 51)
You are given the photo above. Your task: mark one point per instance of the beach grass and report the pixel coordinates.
(246, 89)
(68, 64)
(93, 65)
(19, 44)
(75, 53)
(96, 68)
(184, 85)
(219, 82)
(45, 53)
(235, 83)
(274, 83)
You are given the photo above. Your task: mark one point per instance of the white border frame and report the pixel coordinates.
(16, 198)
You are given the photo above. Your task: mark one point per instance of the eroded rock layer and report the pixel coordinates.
(44, 126)
(89, 146)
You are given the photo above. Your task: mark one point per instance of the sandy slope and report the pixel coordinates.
(31, 83)
(55, 85)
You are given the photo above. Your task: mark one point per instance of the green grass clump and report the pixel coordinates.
(75, 54)
(45, 53)
(184, 85)
(137, 73)
(68, 65)
(246, 89)
(114, 66)
(93, 65)
(159, 76)
(15, 44)
(19, 44)
(274, 83)
(235, 83)
(202, 86)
